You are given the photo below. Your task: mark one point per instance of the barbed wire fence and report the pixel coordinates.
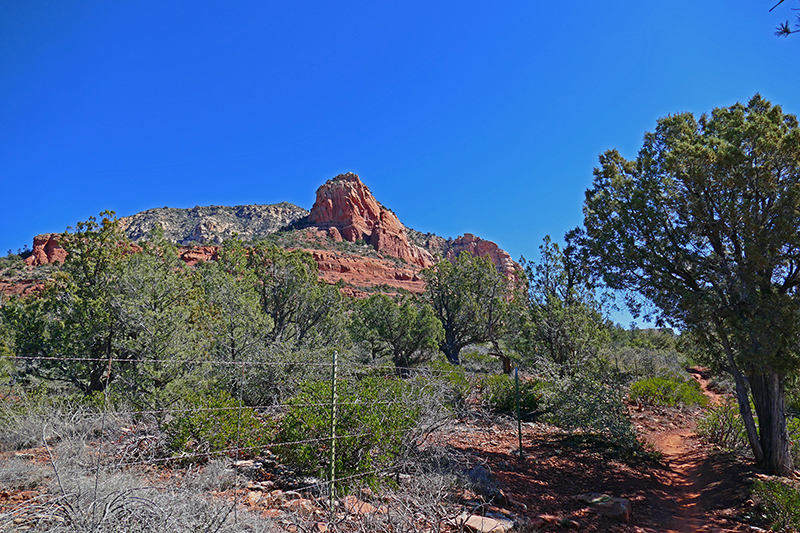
(256, 436)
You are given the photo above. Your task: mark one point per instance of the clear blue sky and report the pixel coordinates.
(461, 116)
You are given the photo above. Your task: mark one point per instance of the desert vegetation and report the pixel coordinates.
(244, 393)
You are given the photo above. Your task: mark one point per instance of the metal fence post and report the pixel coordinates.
(519, 417)
(333, 429)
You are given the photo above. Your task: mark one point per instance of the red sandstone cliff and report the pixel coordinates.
(46, 250)
(480, 247)
(346, 208)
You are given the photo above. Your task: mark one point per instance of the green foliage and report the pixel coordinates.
(471, 299)
(234, 322)
(500, 395)
(302, 309)
(562, 318)
(276, 373)
(74, 322)
(588, 404)
(704, 225)
(638, 354)
(780, 504)
(406, 331)
(459, 386)
(215, 423)
(11, 265)
(722, 425)
(670, 392)
(158, 308)
(375, 417)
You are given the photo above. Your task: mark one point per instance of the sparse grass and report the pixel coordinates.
(125, 502)
(500, 395)
(26, 418)
(19, 473)
(82, 492)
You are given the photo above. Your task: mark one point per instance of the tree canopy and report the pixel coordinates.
(405, 330)
(705, 225)
(562, 318)
(470, 298)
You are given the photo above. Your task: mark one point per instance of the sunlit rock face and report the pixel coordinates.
(346, 204)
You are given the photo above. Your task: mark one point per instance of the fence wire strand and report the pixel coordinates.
(116, 453)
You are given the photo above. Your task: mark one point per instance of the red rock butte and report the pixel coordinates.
(344, 209)
(347, 210)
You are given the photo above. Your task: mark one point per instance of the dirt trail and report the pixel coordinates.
(700, 483)
(692, 489)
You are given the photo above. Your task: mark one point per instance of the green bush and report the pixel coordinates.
(587, 404)
(500, 396)
(793, 426)
(721, 425)
(780, 504)
(215, 423)
(375, 417)
(459, 384)
(667, 392)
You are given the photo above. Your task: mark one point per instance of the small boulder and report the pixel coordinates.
(610, 506)
(302, 506)
(358, 507)
(484, 524)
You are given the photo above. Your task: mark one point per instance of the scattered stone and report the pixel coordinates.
(358, 507)
(505, 499)
(263, 486)
(301, 506)
(253, 498)
(484, 524)
(550, 519)
(610, 506)
(247, 465)
(536, 523)
(292, 495)
(273, 513)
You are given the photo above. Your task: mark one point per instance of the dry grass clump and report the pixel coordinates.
(25, 420)
(18, 473)
(77, 499)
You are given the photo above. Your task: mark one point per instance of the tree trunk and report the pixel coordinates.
(768, 397)
(741, 396)
(450, 347)
(452, 354)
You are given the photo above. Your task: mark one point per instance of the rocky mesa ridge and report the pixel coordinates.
(344, 211)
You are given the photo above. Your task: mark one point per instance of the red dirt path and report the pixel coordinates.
(692, 488)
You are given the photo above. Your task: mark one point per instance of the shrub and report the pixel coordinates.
(667, 392)
(215, 423)
(793, 426)
(721, 425)
(375, 416)
(459, 384)
(780, 504)
(588, 404)
(500, 396)
(25, 415)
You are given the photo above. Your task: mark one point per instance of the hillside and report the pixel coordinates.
(353, 238)
(212, 224)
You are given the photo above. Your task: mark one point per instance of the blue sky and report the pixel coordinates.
(481, 117)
